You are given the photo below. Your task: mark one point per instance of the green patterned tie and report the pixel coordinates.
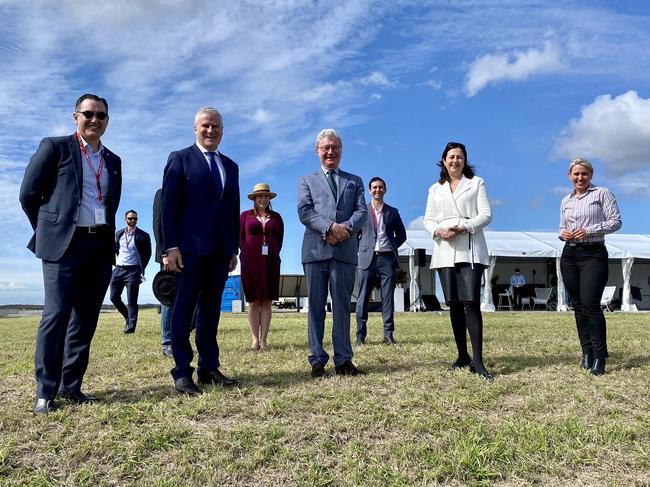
(330, 181)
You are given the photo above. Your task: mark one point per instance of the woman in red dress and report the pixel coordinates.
(260, 240)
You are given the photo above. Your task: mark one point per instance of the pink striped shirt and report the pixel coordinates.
(596, 211)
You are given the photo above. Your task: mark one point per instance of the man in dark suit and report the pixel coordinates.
(332, 208)
(381, 236)
(133, 251)
(200, 223)
(70, 193)
(165, 309)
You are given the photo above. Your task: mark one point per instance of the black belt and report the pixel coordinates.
(585, 244)
(386, 252)
(92, 230)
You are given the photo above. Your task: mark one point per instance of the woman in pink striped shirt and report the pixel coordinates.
(586, 215)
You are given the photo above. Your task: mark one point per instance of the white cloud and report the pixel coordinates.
(615, 131)
(377, 79)
(416, 224)
(496, 202)
(5, 286)
(514, 66)
(262, 116)
(432, 83)
(560, 190)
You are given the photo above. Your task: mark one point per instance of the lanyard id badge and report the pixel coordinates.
(265, 249)
(100, 216)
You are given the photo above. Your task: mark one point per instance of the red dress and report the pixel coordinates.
(260, 273)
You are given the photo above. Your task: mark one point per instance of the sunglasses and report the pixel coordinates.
(89, 115)
(132, 219)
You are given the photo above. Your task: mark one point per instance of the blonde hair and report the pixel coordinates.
(581, 161)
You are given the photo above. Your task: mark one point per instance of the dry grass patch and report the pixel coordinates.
(410, 421)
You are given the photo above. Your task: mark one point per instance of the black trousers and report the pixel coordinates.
(129, 276)
(585, 271)
(75, 286)
(517, 294)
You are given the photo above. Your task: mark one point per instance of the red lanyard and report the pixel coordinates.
(127, 239)
(374, 216)
(98, 173)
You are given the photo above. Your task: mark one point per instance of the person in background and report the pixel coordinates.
(494, 282)
(70, 193)
(133, 251)
(457, 210)
(165, 310)
(517, 283)
(380, 238)
(587, 214)
(261, 231)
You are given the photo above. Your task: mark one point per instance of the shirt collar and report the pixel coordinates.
(590, 188)
(325, 170)
(89, 147)
(204, 150)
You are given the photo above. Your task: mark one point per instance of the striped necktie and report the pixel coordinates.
(330, 181)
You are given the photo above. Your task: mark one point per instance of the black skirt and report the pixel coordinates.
(461, 282)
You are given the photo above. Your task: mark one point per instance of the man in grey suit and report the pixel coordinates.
(332, 207)
(381, 236)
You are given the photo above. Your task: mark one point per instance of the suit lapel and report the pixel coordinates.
(322, 181)
(464, 186)
(342, 182)
(73, 143)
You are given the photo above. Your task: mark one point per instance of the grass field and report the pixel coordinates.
(410, 421)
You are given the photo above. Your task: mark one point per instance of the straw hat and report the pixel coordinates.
(260, 189)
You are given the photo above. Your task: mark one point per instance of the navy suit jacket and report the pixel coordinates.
(395, 232)
(142, 246)
(51, 191)
(194, 218)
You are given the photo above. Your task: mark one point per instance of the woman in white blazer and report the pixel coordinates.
(457, 210)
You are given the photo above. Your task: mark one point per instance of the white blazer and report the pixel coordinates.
(469, 206)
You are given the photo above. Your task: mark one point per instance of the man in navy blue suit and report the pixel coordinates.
(381, 236)
(200, 222)
(70, 193)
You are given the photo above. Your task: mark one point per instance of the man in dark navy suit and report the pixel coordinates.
(200, 223)
(381, 236)
(70, 193)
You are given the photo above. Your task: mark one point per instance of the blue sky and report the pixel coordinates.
(526, 85)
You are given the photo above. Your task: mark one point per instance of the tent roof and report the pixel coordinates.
(535, 244)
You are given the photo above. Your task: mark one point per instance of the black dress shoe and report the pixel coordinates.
(460, 363)
(482, 371)
(587, 361)
(129, 329)
(599, 366)
(43, 406)
(318, 371)
(348, 368)
(77, 397)
(185, 385)
(216, 377)
(389, 340)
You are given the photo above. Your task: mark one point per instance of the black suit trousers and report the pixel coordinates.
(585, 271)
(75, 286)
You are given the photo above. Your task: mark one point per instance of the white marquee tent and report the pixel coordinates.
(520, 247)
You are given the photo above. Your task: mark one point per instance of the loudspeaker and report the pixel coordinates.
(420, 258)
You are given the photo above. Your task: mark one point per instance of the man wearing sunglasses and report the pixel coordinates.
(70, 193)
(133, 250)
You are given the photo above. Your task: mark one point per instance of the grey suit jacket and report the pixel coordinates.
(395, 233)
(317, 210)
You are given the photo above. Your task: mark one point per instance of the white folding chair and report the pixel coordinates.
(542, 296)
(608, 297)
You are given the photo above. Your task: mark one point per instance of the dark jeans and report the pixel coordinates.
(585, 272)
(129, 276)
(517, 294)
